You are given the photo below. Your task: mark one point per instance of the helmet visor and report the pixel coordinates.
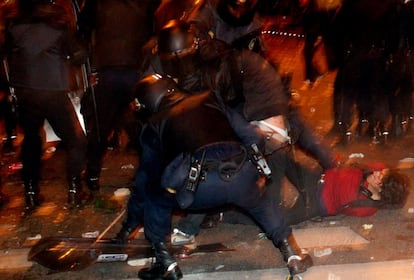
(182, 64)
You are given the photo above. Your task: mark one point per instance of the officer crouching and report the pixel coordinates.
(197, 154)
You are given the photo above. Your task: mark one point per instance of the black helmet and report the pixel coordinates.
(237, 12)
(154, 89)
(178, 49)
(176, 39)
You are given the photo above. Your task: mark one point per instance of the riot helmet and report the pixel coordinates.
(155, 93)
(177, 47)
(237, 12)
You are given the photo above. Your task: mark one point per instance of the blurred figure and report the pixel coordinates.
(8, 104)
(235, 22)
(368, 36)
(2, 198)
(316, 20)
(244, 80)
(8, 112)
(40, 45)
(117, 31)
(175, 9)
(400, 66)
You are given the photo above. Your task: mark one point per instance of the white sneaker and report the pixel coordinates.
(181, 238)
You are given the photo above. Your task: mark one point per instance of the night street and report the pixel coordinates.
(343, 248)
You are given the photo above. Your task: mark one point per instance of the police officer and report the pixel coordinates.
(117, 31)
(243, 79)
(316, 23)
(368, 40)
(196, 155)
(2, 198)
(40, 46)
(236, 22)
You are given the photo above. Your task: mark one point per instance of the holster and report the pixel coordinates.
(194, 174)
(184, 174)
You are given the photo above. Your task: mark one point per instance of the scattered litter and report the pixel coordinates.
(356, 155)
(112, 258)
(15, 166)
(372, 258)
(332, 222)
(141, 262)
(323, 252)
(407, 159)
(122, 192)
(91, 234)
(219, 267)
(262, 235)
(141, 229)
(411, 210)
(406, 163)
(332, 276)
(367, 226)
(128, 166)
(36, 237)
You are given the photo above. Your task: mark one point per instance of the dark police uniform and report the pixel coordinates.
(40, 49)
(117, 30)
(197, 155)
(198, 127)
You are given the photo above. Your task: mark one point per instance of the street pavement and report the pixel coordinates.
(403, 269)
(343, 248)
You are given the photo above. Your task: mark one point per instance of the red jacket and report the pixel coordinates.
(342, 187)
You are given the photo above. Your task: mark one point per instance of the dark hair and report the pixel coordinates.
(395, 189)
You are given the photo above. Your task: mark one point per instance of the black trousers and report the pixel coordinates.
(112, 96)
(34, 107)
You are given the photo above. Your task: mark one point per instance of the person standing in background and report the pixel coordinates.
(40, 45)
(117, 31)
(316, 19)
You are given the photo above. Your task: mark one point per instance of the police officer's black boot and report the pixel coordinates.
(1, 200)
(380, 134)
(31, 195)
(75, 192)
(93, 183)
(396, 130)
(296, 261)
(165, 266)
(123, 235)
(342, 134)
(363, 126)
(410, 123)
(2, 197)
(8, 147)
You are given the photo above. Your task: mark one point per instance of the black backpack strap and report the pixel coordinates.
(362, 202)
